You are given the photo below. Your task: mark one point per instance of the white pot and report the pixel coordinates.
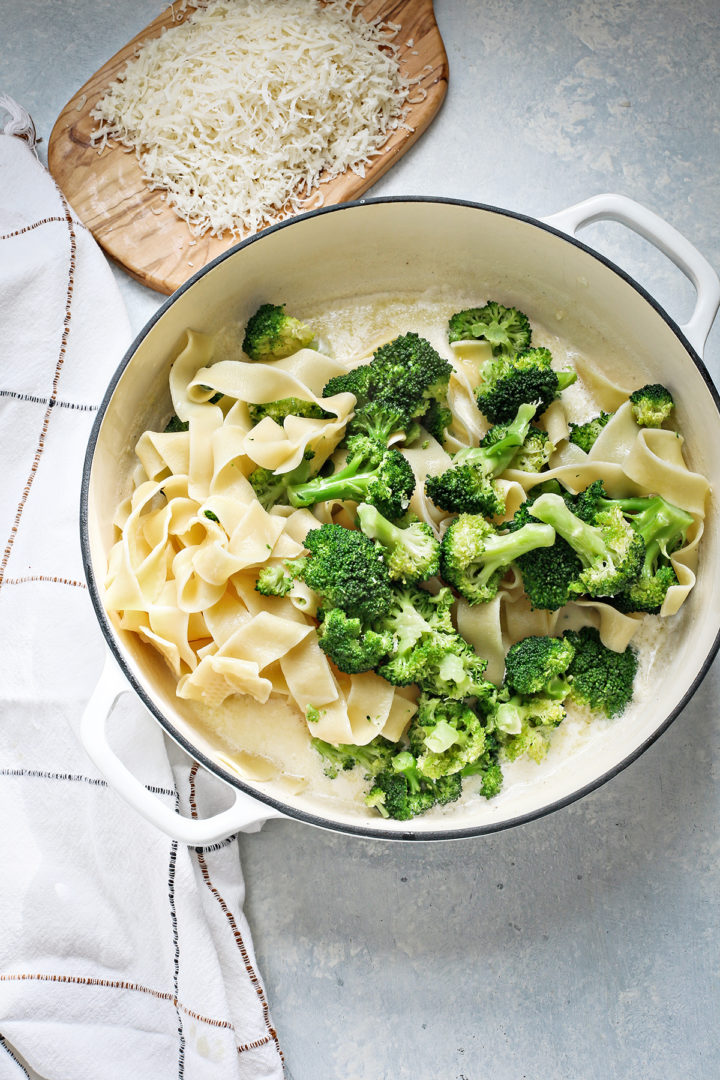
(407, 245)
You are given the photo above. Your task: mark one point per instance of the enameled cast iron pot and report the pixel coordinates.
(406, 246)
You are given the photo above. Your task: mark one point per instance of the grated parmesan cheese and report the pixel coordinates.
(244, 107)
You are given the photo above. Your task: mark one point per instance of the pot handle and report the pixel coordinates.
(664, 237)
(245, 815)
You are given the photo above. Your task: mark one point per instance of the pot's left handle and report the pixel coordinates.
(245, 815)
(666, 238)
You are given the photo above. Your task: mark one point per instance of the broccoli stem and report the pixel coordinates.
(496, 458)
(405, 764)
(565, 379)
(661, 523)
(504, 548)
(377, 527)
(585, 540)
(348, 483)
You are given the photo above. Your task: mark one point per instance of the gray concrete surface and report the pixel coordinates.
(584, 945)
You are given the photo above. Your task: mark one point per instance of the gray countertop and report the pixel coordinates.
(583, 945)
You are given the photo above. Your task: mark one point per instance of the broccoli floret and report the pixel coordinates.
(436, 421)
(445, 736)
(447, 789)
(474, 556)
(412, 554)
(414, 615)
(372, 757)
(394, 797)
(354, 382)
(468, 487)
(401, 792)
(524, 725)
(663, 528)
(176, 424)
(547, 573)
(651, 405)
(506, 329)
(398, 386)
(509, 381)
(372, 473)
(584, 435)
(535, 452)
(343, 568)
(464, 489)
(270, 334)
(600, 678)
(272, 488)
(538, 665)
(610, 550)
(349, 645)
(291, 406)
(487, 766)
(492, 781)
(648, 593)
(448, 666)
(411, 372)
(427, 650)
(278, 579)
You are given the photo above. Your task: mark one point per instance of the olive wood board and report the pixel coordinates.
(134, 225)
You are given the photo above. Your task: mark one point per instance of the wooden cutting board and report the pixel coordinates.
(135, 227)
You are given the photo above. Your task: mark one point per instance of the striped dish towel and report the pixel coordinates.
(122, 954)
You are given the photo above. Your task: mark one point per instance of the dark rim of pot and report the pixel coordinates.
(217, 770)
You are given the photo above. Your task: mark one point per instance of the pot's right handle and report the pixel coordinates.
(664, 237)
(245, 815)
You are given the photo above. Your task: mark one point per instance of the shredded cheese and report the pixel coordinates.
(244, 107)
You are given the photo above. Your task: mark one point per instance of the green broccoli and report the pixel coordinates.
(584, 435)
(402, 792)
(663, 528)
(400, 384)
(538, 665)
(283, 407)
(427, 650)
(445, 736)
(342, 757)
(345, 571)
(474, 556)
(343, 568)
(509, 381)
(535, 452)
(277, 579)
(506, 329)
(468, 486)
(372, 473)
(524, 725)
(412, 554)
(351, 647)
(547, 573)
(270, 334)
(600, 678)
(610, 550)
(176, 424)
(272, 488)
(492, 777)
(651, 405)
(436, 420)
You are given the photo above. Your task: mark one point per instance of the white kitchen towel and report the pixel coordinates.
(122, 953)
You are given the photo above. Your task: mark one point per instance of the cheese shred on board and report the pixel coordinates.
(243, 107)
